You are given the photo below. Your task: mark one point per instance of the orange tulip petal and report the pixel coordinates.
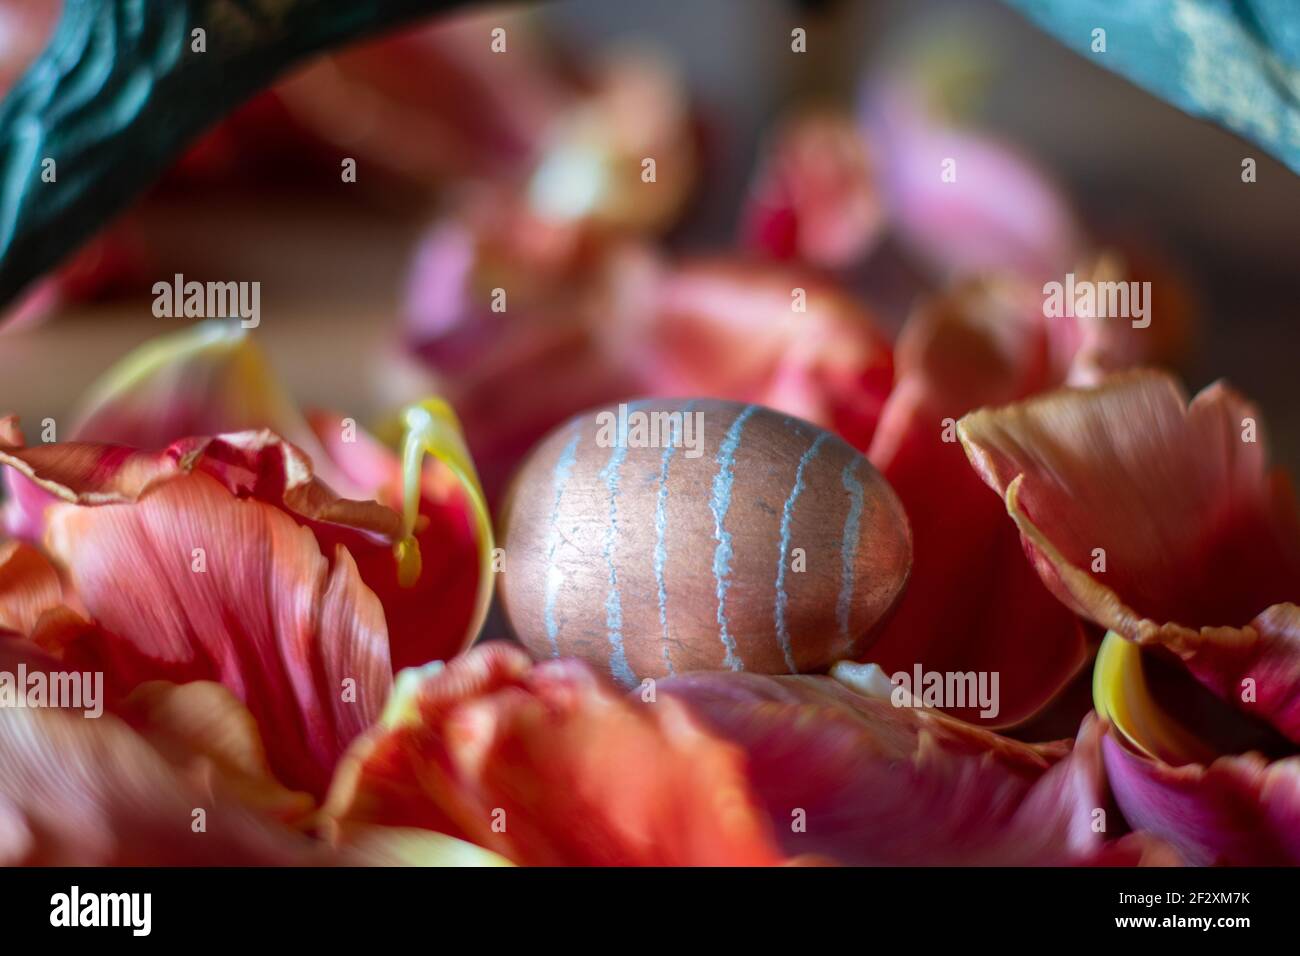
(545, 765)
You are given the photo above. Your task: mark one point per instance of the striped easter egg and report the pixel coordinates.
(659, 537)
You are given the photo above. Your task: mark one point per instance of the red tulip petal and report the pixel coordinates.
(973, 603)
(269, 618)
(857, 779)
(76, 791)
(1239, 810)
(544, 764)
(449, 566)
(1199, 540)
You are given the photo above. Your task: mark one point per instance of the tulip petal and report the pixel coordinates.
(972, 603)
(1198, 541)
(189, 583)
(203, 730)
(1238, 810)
(29, 586)
(1122, 696)
(873, 783)
(544, 764)
(964, 201)
(815, 196)
(75, 791)
(258, 464)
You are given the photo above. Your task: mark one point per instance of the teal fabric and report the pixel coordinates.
(1236, 62)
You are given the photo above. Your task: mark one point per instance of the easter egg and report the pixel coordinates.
(659, 537)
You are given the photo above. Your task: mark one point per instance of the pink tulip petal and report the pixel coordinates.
(872, 783)
(300, 640)
(1239, 810)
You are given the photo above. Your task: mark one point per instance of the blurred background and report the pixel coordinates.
(521, 170)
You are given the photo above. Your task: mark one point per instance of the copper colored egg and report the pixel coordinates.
(666, 536)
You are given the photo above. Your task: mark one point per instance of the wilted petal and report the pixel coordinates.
(1197, 539)
(860, 780)
(77, 791)
(189, 583)
(973, 603)
(544, 764)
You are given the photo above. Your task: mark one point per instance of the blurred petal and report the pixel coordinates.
(407, 846)
(874, 783)
(814, 198)
(1199, 540)
(77, 791)
(781, 337)
(207, 379)
(301, 641)
(973, 603)
(513, 375)
(544, 764)
(990, 210)
(432, 102)
(1106, 344)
